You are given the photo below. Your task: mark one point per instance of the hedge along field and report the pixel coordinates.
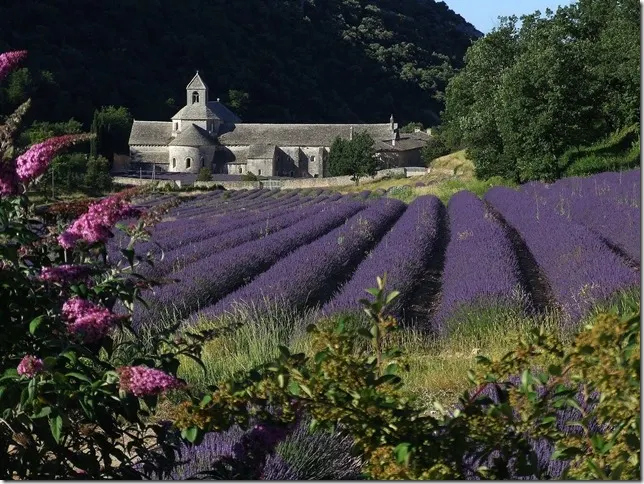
(540, 254)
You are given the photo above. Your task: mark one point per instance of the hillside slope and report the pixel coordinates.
(299, 60)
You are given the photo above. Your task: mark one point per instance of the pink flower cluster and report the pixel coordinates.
(94, 226)
(35, 160)
(141, 381)
(30, 366)
(9, 60)
(66, 273)
(89, 321)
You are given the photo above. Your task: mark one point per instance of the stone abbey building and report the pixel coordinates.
(206, 133)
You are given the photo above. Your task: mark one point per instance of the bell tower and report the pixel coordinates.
(196, 91)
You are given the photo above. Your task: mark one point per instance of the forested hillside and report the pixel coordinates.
(297, 60)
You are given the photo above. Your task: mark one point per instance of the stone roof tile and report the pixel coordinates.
(193, 135)
(285, 135)
(261, 151)
(151, 133)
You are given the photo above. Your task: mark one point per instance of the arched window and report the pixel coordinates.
(203, 162)
(195, 97)
(174, 162)
(241, 170)
(259, 172)
(188, 162)
(176, 126)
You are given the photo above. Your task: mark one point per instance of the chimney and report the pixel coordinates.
(429, 131)
(416, 130)
(350, 132)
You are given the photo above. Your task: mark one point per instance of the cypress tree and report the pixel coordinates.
(93, 145)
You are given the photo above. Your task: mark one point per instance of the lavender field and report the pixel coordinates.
(565, 246)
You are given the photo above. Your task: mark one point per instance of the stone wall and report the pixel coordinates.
(229, 185)
(180, 155)
(124, 180)
(338, 181)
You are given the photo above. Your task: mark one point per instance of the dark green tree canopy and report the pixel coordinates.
(355, 157)
(527, 94)
(298, 61)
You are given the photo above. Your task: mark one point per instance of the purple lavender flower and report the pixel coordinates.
(481, 266)
(403, 254)
(581, 269)
(309, 273)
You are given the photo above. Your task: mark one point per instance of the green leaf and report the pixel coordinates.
(391, 369)
(403, 453)
(79, 376)
(307, 390)
(281, 380)
(190, 434)
(526, 378)
(33, 326)
(294, 387)
(56, 427)
(391, 296)
(373, 291)
(44, 412)
(554, 370)
(284, 351)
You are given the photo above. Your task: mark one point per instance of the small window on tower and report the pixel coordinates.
(188, 162)
(259, 172)
(176, 126)
(240, 169)
(174, 162)
(203, 162)
(195, 97)
(313, 158)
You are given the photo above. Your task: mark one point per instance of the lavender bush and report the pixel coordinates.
(258, 227)
(211, 278)
(581, 269)
(309, 273)
(403, 254)
(481, 266)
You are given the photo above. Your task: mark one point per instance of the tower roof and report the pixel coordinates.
(197, 83)
(193, 136)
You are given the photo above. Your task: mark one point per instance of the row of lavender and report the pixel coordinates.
(205, 217)
(206, 280)
(261, 244)
(608, 204)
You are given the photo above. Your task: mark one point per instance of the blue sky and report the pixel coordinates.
(483, 13)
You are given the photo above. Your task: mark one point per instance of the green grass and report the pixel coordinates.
(619, 151)
(456, 163)
(253, 343)
(448, 187)
(437, 367)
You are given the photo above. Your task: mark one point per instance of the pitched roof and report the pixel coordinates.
(210, 110)
(261, 151)
(406, 141)
(223, 113)
(197, 83)
(195, 111)
(193, 135)
(299, 134)
(150, 133)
